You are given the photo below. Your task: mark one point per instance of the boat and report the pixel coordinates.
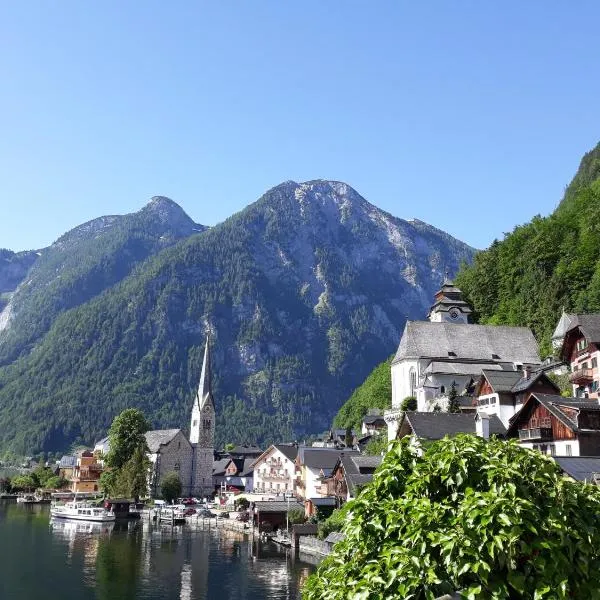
(26, 499)
(81, 511)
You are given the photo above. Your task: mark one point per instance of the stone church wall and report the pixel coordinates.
(176, 456)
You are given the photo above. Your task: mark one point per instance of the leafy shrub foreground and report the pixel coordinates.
(485, 517)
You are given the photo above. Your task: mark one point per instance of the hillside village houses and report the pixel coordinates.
(447, 350)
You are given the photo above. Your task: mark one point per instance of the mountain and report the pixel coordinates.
(80, 265)
(302, 292)
(544, 266)
(13, 269)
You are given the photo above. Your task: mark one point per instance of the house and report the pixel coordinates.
(447, 350)
(271, 516)
(319, 506)
(580, 349)
(66, 466)
(274, 470)
(234, 474)
(373, 422)
(313, 466)
(437, 425)
(169, 452)
(349, 474)
(85, 476)
(558, 426)
(503, 393)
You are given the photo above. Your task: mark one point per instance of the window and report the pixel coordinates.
(594, 362)
(568, 450)
(206, 423)
(413, 381)
(442, 389)
(178, 445)
(176, 467)
(194, 423)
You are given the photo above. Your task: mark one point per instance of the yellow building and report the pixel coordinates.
(86, 474)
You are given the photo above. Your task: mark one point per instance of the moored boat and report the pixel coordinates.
(81, 511)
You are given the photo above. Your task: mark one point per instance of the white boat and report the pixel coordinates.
(26, 499)
(81, 511)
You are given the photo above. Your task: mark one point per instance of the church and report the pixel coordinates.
(448, 350)
(170, 450)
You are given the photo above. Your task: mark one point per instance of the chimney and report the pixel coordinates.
(482, 425)
(527, 371)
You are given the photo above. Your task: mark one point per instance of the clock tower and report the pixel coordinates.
(449, 305)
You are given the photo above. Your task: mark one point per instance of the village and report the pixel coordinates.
(449, 377)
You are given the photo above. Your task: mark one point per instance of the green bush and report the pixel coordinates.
(335, 522)
(409, 403)
(489, 518)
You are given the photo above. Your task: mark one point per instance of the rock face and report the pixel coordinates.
(303, 292)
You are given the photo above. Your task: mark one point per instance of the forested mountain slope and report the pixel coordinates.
(544, 266)
(303, 292)
(80, 265)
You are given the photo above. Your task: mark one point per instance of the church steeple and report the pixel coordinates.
(449, 305)
(202, 429)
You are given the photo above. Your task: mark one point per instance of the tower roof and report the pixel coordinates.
(204, 394)
(447, 296)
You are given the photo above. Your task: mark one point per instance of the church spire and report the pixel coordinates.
(204, 387)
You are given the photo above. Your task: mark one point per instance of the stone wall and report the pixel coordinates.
(203, 468)
(176, 456)
(313, 545)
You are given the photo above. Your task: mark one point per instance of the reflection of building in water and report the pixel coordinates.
(186, 582)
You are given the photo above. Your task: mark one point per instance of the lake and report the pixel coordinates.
(65, 560)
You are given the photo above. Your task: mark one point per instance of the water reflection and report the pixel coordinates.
(137, 560)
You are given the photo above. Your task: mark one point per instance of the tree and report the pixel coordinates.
(486, 517)
(349, 438)
(453, 402)
(125, 435)
(241, 504)
(409, 403)
(5, 484)
(127, 461)
(56, 483)
(170, 487)
(24, 483)
(377, 445)
(296, 516)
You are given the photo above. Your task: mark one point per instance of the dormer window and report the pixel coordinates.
(495, 357)
(452, 354)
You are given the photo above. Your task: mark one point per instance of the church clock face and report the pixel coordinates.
(454, 313)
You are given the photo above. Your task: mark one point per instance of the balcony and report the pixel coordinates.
(582, 376)
(535, 433)
(275, 476)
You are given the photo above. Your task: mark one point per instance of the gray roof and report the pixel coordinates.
(158, 437)
(372, 419)
(589, 325)
(353, 481)
(220, 465)
(460, 368)
(502, 381)
(581, 468)
(524, 383)
(289, 451)
(278, 506)
(363, 461)
(436, 425)
(246, 451)
(320, 458)
(334, 537)
(67, 462)
(247, 468)
(423, 339)
(358, 469)
(329, 501)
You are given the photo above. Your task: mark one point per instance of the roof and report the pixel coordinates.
(334, 537)
(247, 467)
(589, 326)
(566, 322)
(502, 381)
(288, 450)
(220, 465)
(320, 458)
(424, 339)
(581, 468)
(460, 368)
(358, 469)
(67, 462)
(525, 383)
(246, 451)
(353, 481)
(278, 506)
(373, 419)
(158, 437)
(366, 462)
(330, 501)
(436, 425)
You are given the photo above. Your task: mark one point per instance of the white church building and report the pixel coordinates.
(447, 350)
(170, 450)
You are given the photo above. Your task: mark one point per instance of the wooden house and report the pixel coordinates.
(558, 426)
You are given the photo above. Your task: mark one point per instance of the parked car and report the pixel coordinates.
(223, 515)
(189, 511)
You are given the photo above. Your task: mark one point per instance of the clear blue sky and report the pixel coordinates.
(469, 115)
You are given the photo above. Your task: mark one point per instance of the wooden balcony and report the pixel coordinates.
(581, 376)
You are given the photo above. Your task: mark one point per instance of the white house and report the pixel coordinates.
(275, 470)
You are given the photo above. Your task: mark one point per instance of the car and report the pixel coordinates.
(188, 512)
(223, 515)
(243, 517)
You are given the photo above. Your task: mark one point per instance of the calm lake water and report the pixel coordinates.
(40, 559)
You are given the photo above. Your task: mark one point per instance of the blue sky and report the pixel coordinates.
(472, 116)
